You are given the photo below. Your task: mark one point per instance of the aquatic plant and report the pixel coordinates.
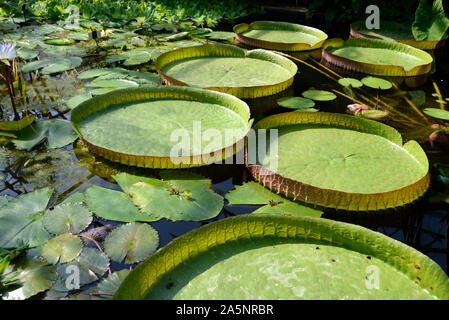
(8, 73)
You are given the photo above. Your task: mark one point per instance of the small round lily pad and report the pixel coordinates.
(319, 95)
(377, 83)
(350, 82)
(437, 113)
(63, 248)
(296, 103)
(132, 242)
(67, 218)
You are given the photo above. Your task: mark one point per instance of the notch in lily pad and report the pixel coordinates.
(63, 248)
(132, 242)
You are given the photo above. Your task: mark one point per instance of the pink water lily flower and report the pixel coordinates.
(8, 52)
(357, 107)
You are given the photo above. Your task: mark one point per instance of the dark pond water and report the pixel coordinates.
(73, 169)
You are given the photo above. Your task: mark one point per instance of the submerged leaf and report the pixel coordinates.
(132, 242)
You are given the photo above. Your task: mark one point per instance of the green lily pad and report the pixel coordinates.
(132, 242)
(341, 161)
(112, 83)
(253, 193)
(105, 288)
(379, 57)
(93, 73)
(74, 101)
(76, 198)
(226, 68)
(263, 256)
(377, 83)
(282, 36)
(27, 54)
(58, 42)
(319, 95)
(58, 133)
(350, 82)
(79, 36)
(156, 132)
(91, 264)
(114, 205)
(50, 66)
(437, 113)
(183, 198)
(296, 103)
(63, 248)
(33, 275)
(17, 125)
(67, 218)
(21, 219)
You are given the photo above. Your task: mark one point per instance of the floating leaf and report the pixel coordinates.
(63, 248)
(267, 256)
(132, 242)
(377, 83)
(319, 95)
(21, 219)
(91, 264)
(255, 194)
(437, 113)
(27, 54)
(67, 218)
(58, 42)
(296, 103)
(58, 133)
(107, 287)
(350, 82)
(76, 100)
(114, 205)
(112, 83)
(50, 66)
(177, 199)
(34, 275)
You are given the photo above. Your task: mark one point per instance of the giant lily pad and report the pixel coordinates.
(278, 257)
(244, 74)
(160, 127)
(378, 57)
(281, 36)
(341, 161)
